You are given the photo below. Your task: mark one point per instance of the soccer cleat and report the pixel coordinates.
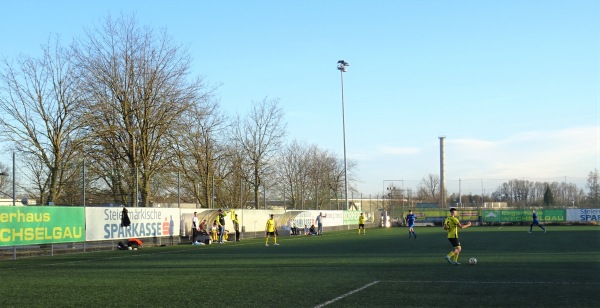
(276, 244)
(266, 244)
(455, 263)
(529, 231)
(448, 259)
(415, 236)
(544, 230)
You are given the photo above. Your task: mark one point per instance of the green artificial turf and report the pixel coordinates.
(339, 269)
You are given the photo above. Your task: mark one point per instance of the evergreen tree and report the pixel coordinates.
(548, 198)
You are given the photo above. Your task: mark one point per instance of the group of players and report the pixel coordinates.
(451, 225)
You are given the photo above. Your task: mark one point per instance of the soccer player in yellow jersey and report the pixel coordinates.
(361, 223)
(236, 225)
(271, 231)
(451, 224)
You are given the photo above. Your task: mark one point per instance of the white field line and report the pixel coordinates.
(347, 294)
(492, 282)
(125, 255)
(133, 255)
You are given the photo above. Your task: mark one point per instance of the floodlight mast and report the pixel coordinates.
(341, 66)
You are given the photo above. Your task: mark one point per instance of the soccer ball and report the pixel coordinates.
(472, 261)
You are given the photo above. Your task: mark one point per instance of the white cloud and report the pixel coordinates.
(540, 155)
(548, 153)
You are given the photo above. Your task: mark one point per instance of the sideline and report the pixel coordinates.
(130, 254)
(493, 282)
(347, 294)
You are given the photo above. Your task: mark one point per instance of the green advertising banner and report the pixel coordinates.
(351, 217)
(427, 215)
(41, 225)
(523, 215)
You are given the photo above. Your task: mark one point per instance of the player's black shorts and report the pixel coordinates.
(454, 242)
(361, 226)
(271, 233)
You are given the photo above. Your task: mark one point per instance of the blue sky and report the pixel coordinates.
(513, 85)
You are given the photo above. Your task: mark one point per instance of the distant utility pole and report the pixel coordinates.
(442, 172)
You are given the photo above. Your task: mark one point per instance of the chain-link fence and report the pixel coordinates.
(25, 181)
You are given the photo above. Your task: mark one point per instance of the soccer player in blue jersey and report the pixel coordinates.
(410, 222)
(535, 222)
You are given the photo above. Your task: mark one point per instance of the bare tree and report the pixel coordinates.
(39, 102)
(326, 174)
(593, 185)
(138, 87)
(259, 136)
(292, 172)
(335, 177)
(574, 194)
(517, 191)
(241, 173)
(309, 176)
(5, 180)
(523, 192)
(428, 189)
(202, 157)
(318, 174)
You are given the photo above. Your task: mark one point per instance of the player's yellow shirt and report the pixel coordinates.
(361, 219)
(270, 225)
(451, 224)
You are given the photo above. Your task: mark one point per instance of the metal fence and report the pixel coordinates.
(23, 182)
